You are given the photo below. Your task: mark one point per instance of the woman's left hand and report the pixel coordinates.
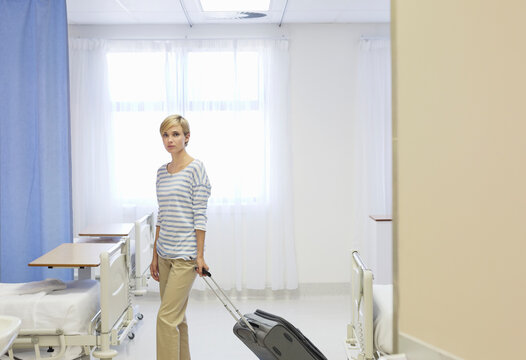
(201, 264)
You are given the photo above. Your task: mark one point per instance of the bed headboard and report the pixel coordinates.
(362, 305)
(144, 233)
(114, 284)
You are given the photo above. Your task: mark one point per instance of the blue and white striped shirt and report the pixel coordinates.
(182, 199)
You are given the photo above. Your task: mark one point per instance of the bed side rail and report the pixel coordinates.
(114, 285)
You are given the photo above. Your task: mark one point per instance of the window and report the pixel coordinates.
(219, 92)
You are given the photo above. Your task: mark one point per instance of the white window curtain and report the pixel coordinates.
(372, 148)
(234, 94)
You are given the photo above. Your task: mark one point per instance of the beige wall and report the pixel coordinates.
(460, 174)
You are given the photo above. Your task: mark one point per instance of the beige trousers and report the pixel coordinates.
(176, 277)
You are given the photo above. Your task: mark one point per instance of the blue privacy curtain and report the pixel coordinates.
(35, 185)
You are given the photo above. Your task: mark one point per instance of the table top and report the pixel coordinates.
(108, 230)
(74, 255)
(381, 217)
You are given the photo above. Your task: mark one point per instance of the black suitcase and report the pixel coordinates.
(270, 337)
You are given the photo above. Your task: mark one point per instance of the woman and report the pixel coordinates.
(183, 190)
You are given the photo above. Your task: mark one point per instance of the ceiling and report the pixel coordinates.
(190, 12)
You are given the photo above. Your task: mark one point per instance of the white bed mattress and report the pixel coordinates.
(383, 318)
(70, 309)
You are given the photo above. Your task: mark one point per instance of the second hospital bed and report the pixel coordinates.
(370, 332)
(141, 234)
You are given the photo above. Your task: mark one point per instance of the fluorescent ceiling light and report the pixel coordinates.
(235, 5)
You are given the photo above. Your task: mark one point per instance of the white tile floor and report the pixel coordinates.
(322, 318)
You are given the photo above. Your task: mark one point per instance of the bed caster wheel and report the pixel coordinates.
(131, 336)
(140, 316)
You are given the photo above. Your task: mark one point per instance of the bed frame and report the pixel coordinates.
(359, 344)
(109, 326)
(144, 233)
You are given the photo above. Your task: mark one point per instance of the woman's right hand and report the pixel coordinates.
(154, 268)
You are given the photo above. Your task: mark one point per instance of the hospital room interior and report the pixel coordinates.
(366, 158)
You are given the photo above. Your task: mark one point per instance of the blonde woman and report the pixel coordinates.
(183, 190)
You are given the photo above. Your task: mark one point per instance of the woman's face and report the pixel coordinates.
(174, 139)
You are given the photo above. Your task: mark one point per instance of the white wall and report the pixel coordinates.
(322, 81)
(322, 78)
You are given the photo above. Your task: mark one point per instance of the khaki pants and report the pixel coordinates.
(176, 277)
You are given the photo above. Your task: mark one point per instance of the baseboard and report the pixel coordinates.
(304, 289)
(416, 349)
(319, 289)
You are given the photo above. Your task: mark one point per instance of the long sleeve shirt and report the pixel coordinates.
(183, 199)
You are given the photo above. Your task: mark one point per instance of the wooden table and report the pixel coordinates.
(108, 230)
(381, 239)
(78, 255)
(381, 217)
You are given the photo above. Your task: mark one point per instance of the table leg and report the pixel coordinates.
(84, 273)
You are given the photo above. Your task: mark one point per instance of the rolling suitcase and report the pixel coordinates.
(270, 337)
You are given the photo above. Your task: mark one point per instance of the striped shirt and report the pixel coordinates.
(182, 199)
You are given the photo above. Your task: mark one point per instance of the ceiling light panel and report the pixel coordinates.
(235, 5)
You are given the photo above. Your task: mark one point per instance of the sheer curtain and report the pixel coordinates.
(372, 149)
(234, 94)
(92, 136)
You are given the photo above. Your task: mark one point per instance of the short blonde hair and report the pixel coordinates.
(174, 120)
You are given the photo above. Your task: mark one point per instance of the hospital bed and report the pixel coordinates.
(87, 314)
(370, 332)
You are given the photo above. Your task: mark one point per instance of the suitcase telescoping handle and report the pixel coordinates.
(224, 296)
